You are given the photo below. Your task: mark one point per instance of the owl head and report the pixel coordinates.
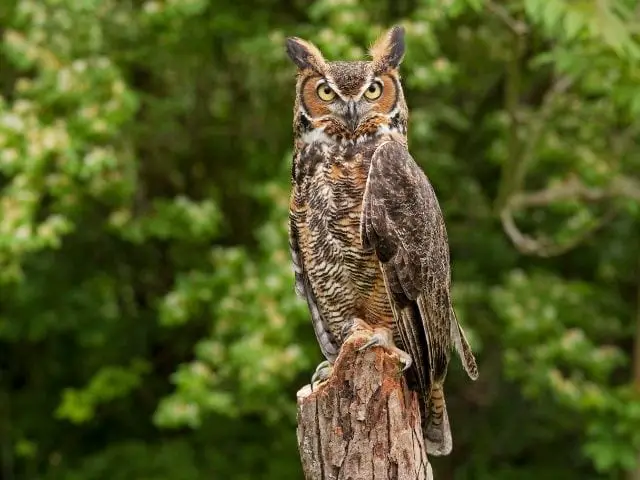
(349, 101)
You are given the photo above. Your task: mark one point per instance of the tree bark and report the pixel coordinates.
(362, 422)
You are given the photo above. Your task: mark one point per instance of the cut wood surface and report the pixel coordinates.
(363, 422)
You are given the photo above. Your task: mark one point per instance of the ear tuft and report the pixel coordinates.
(388, 50)
(305, 55)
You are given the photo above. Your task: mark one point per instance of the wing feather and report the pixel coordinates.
(402, 221)
(410, 331)
(410, 325)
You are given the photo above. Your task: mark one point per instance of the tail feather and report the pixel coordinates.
(463, 348)
(435, 424)
(435, 419)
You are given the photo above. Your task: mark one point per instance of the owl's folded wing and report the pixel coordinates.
(402, 221)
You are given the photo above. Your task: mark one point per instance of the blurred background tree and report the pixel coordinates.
(148, 324)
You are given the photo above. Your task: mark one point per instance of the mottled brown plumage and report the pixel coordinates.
(367, 236)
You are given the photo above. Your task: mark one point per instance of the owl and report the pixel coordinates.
(367, 236)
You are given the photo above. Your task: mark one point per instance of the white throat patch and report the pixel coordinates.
(317, 135)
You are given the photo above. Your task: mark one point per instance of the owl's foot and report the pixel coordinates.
(351, 326)
(346, 329)
(323, 371)
(383, 338)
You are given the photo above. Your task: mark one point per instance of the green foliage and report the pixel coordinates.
(108, 384)
(148, 323)
(551, 328)
(252, 352)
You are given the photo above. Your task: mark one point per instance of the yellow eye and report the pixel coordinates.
(325, 92)
(374, 91)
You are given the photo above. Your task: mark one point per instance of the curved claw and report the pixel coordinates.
(322, 365)
(384, 341)
(349, 326)
(345, 331)
(323, 371)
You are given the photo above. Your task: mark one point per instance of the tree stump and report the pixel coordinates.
(363, 422)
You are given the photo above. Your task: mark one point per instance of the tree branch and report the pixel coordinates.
(522, 153)
(515, 25)
(543, 246)
(572, 189)
(363, 422)
(512, 107)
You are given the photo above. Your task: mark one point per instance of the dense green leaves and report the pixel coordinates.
(148, 324)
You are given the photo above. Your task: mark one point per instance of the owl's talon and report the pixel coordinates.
(350, 326)
(375, 341)
(322, 365)
(385, 341)
(346, 329)
(323, 371)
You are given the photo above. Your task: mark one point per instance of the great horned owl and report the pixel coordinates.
(367, 235)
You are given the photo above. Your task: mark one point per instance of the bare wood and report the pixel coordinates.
(363, 422)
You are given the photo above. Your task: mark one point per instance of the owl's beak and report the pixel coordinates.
(351, 116)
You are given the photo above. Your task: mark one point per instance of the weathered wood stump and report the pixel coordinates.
(363, 422)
